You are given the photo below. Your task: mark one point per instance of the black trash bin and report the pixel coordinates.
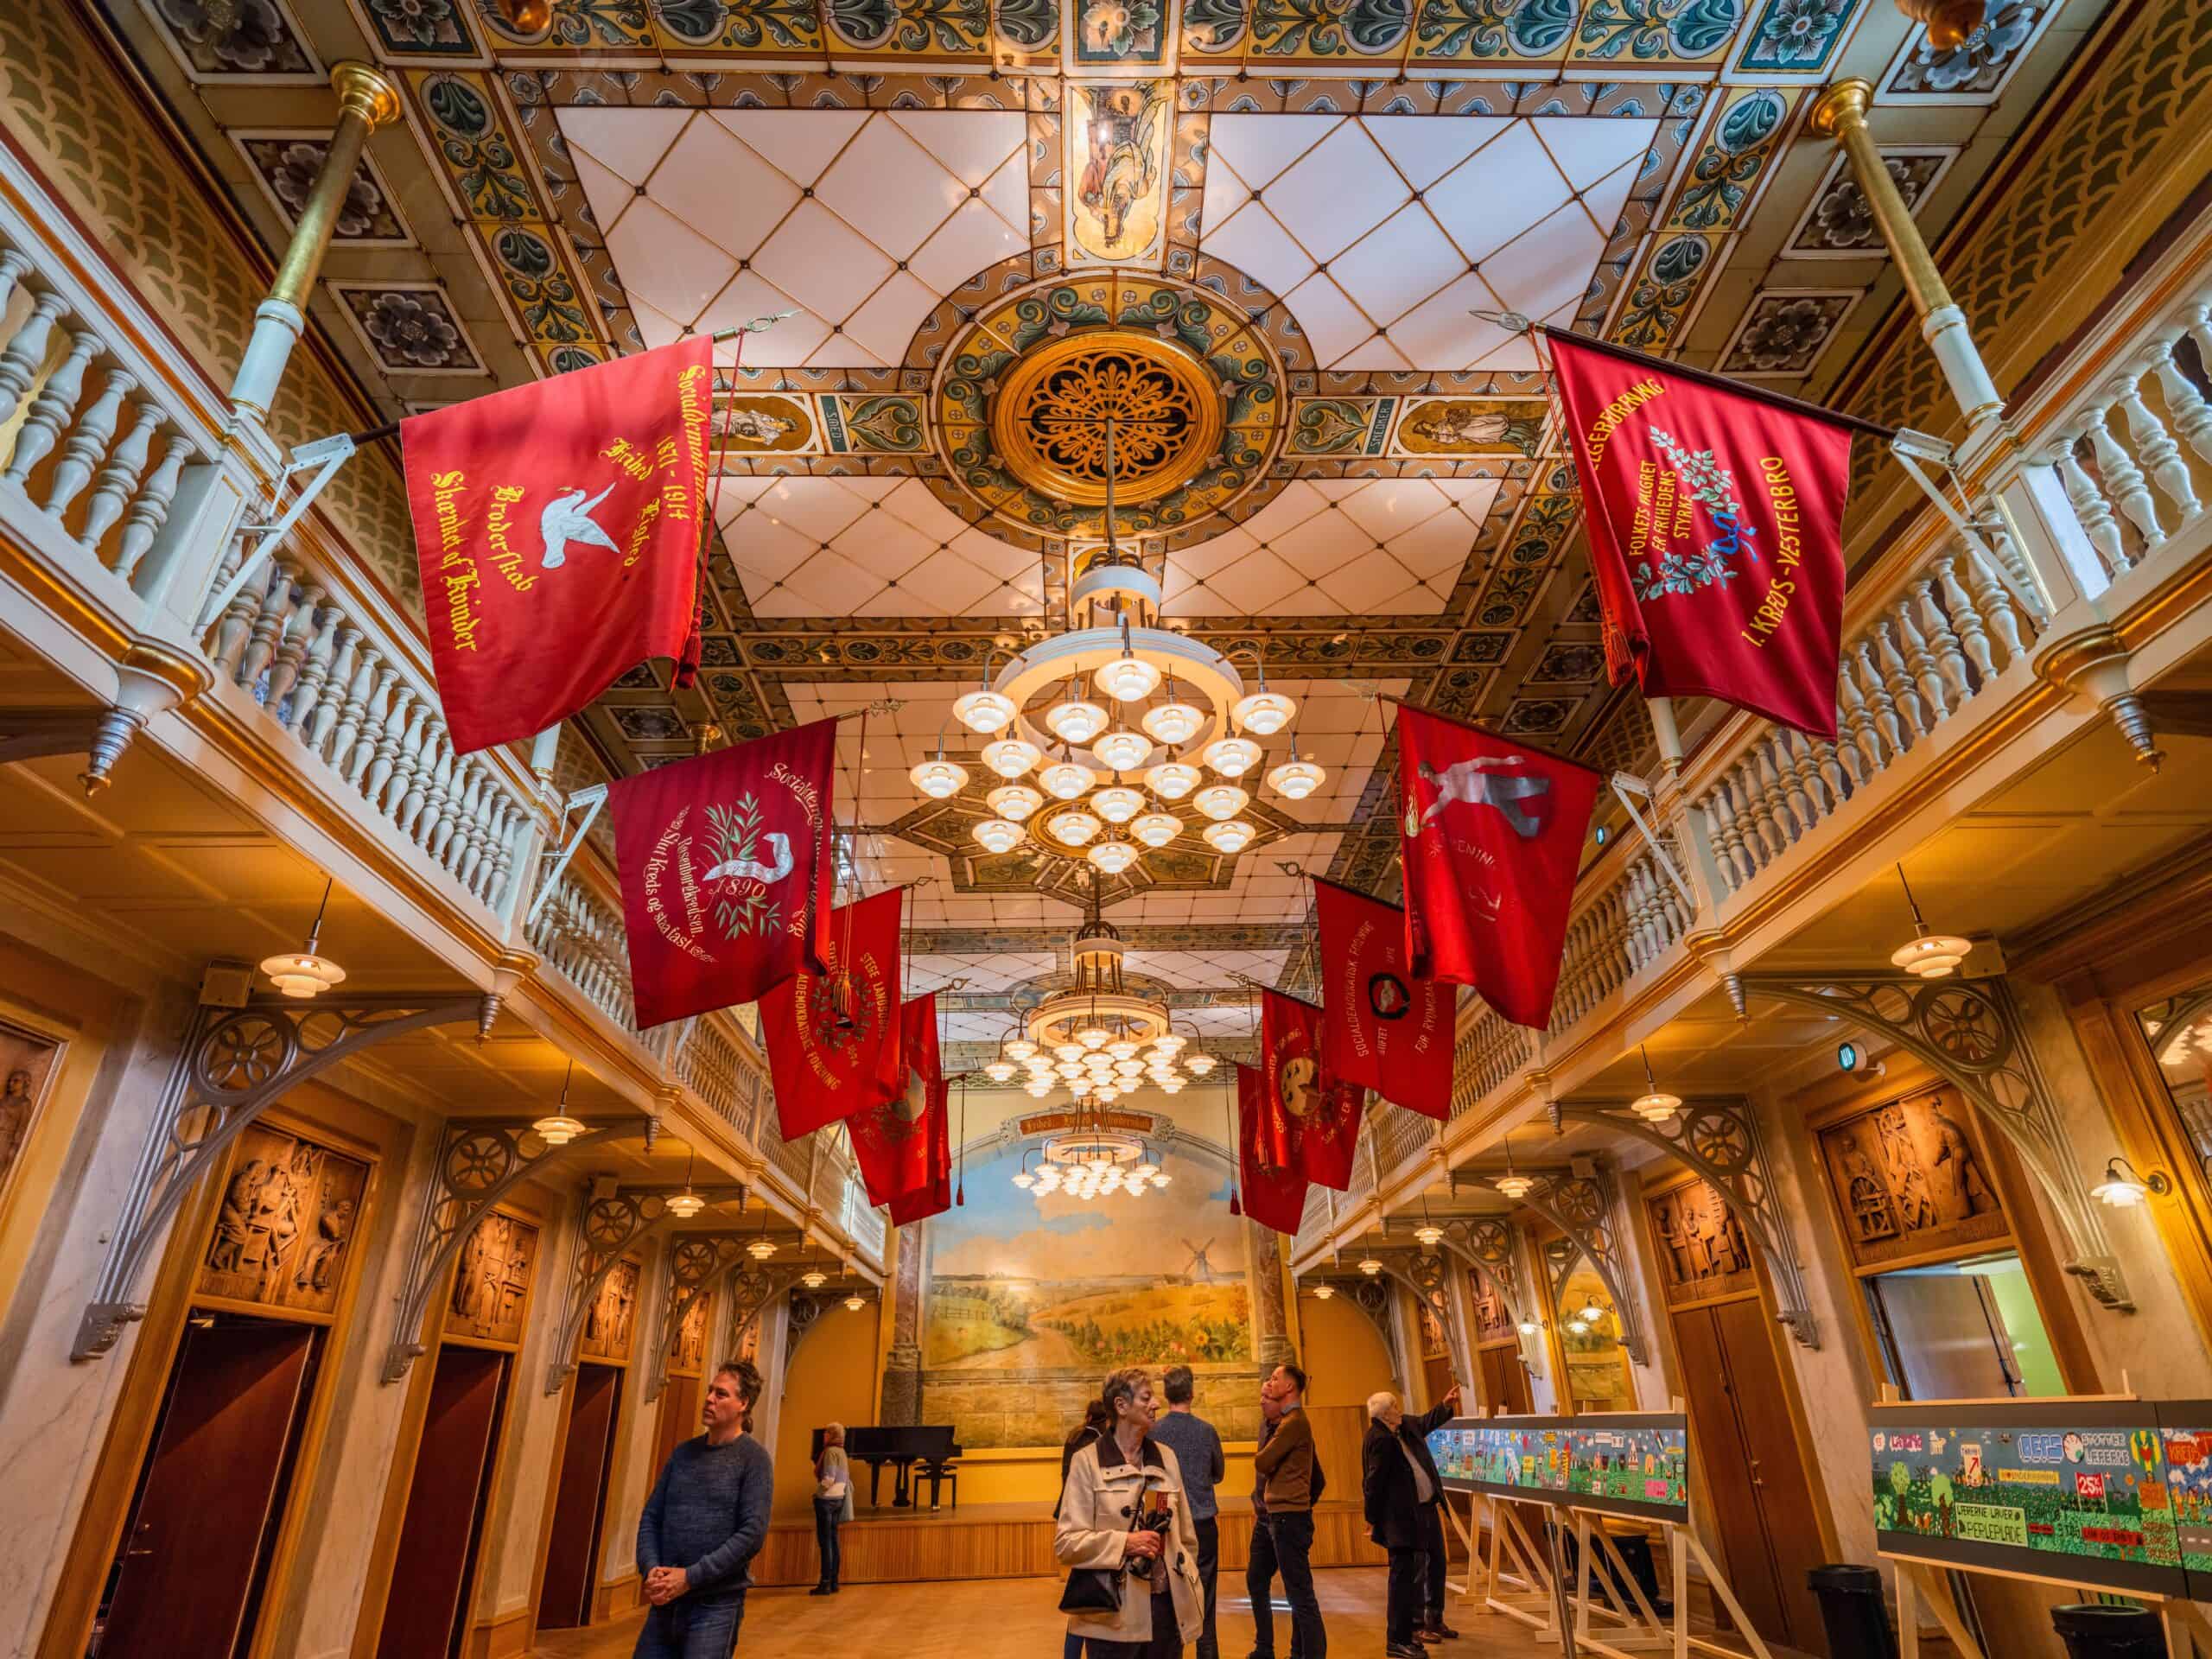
(1851, 1612)
(2098, 1630)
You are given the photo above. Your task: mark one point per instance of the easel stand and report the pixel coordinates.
(2188, 1632)
(1646, 1631)
(1522, 1579)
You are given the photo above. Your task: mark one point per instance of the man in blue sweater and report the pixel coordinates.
(707, 1518)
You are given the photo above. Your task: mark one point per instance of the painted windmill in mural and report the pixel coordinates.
(1198, 1270)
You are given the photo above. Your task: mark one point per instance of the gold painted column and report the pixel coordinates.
(367, 100)
(1840, 113)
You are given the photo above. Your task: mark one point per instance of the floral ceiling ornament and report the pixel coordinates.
(235, 37)
(412, 331)
(289, 167)
(1797, 35)
(1785, 333)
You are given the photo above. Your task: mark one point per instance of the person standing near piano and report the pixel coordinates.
(833, 1504)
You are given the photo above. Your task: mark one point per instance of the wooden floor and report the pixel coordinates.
(1015, 1618)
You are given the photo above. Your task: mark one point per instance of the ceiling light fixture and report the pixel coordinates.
(1655, 1104)
(1156, 828)
(985, 711)
(1931, 956)
(1073, 828)
(687, 1204)
(1014, 802)
(1075, 722)
(1010, 757)
(1512, 1185)
(1122, 751)
(1231, 837)
(1369, 1265)
(1232, 757)
(1173, 723)
(1112, 856)
(1323, 1291)
(938, 778)
(302, 974)
(1172, 779)
(856, 1302)
(560, 1129)
(998, 835)
(1118, 804)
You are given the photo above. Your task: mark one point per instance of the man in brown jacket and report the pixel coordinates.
(1289, 1482)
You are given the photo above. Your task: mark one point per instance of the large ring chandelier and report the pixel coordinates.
(1101, 737)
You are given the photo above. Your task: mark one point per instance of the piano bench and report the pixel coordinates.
(946, 1474)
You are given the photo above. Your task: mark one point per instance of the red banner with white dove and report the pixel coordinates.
(1318, 1112)
(899, 1143)
(1385, 1029)
(1716, 535)
(726, 871)
(834, 1039)
(1494, 833)
(1274, 1193)
(557, 527)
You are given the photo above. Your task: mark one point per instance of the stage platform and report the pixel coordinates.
(1007, 1540)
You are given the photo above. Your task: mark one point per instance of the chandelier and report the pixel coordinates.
(1098, 1040)
(1097, 735)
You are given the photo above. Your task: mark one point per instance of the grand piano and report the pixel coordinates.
(917, 1452)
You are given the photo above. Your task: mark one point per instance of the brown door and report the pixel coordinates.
(1505, 1379)
(1435, 1375)
(422, 1609)
(572, 1554)
(209, 1497)
(1761, 1501)
(679, 1418)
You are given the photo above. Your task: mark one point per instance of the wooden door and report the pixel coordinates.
(679, 1420)
(1760, 1500)
(1504, 1380)
(422, 1611)
(571, 1553)
(1779, 1479)
(211, 1493)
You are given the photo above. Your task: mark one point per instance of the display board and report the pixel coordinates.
(2117, 1494)
(1626, 1463)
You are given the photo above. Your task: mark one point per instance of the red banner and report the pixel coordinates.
(1716, 536)
(726, 871)
(1319, 1111)
(1386, 1029)
(1275, 1194)
(557, 525)
(833, 1038)
(1494, 833)
(898, 1143)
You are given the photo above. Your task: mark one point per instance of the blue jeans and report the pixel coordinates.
(687, 1627)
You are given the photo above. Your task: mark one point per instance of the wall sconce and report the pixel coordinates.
(1529, 1327)
(2123, 1188)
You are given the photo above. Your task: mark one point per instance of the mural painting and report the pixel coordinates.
(491, 1285)
(1117, 157)
(285, 1220)
(1912, 1177)
(1463, 426)
(1033, 1297)
(763, 423)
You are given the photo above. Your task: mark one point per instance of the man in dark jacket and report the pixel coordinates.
(707, 1518)
(1402, 1495)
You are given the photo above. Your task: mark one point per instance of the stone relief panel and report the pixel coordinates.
(1912, 1178)
(26, 1069)
(491, 1286)
(1703, 1253)
(613, 1316)
(288, 1215)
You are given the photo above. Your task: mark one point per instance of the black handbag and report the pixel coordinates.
(1092, 1590)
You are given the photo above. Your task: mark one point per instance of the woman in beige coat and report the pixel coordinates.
(1110, 1485)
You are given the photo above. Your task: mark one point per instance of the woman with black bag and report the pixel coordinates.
(1126, 1533)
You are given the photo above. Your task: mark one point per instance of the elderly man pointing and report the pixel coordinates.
(1403, 1494)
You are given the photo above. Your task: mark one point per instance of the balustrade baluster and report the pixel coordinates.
(26, 354)
(1773, 796)
(236, 628)
(151, 509)
(383, 736)
(1857, 749)
(1972, 638)
(1888, 728)
(468, 799)
(1920, 663)
(345, 748)
(502, 850)
(14, 267)
(284, 671)
(1826, 759)
(435, 819)
(2192, 416)
(269, 627)
(1736, 866)
(2090, 505)
(1903, 690)
(332, 695)
(406, 727)
(52, 408)
(2161, 454)
(118, 478)
(480, 809)
(88, 440)
(1935, 626)
(1808, 795)
(2123, 478)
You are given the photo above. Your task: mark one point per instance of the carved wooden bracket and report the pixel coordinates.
(609, 1228)
(692, 1261)
(1485, 1244)
(752, 1287)
(1584, 1208)
(482, 1160)
(236, 1064)
(1969, 1032)
(1720, 1138)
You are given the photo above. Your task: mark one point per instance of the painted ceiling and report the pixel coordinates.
(1335, 203)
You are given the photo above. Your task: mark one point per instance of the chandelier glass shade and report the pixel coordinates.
(1112, 856)
(1063, 780)
(1014, 801)
(1122, 751)
(1010, 757)
(1172, 779)
(1156, 828)
(1118, 804)
(1220, 802)
(1264, 713)
(939, 779)
(1073, 828)
(1173, 723)
(984, 711)
(1232, 757)
(1233, 836)
(1075, 722)
(998, 836)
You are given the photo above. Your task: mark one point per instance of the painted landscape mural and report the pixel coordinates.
(1032, 1298)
